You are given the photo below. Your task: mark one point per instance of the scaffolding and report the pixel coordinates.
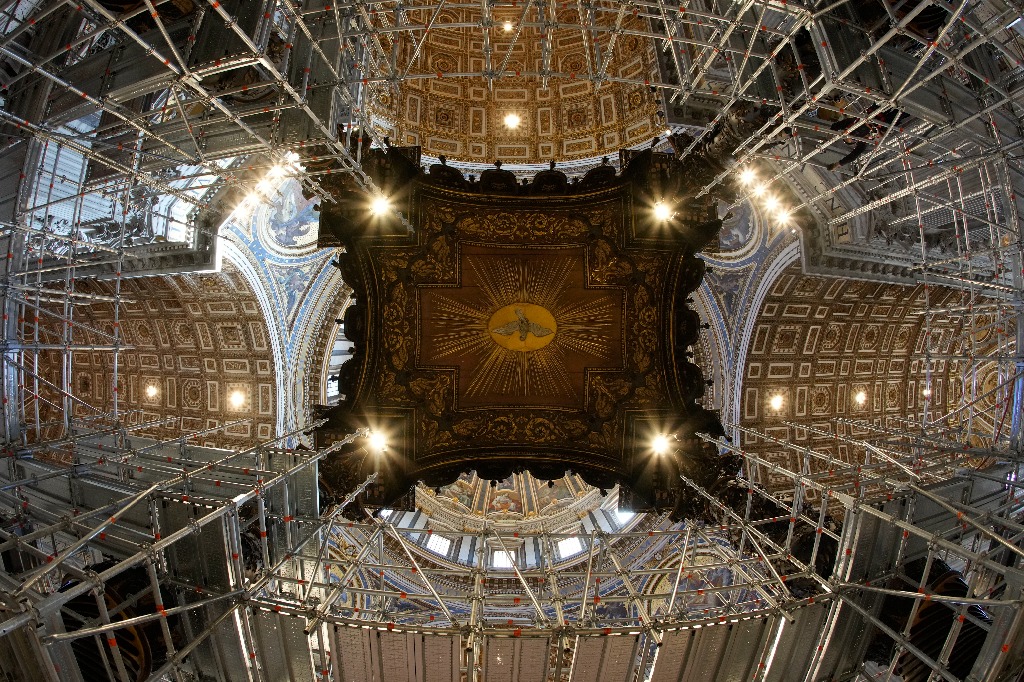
(132, 130)
(225, 565)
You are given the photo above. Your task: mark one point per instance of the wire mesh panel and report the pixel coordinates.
(202, 558)
(775, 647)
(227, 644)
(216, 644)
(794, 645)
(350, 654)
(695, 654)
(601, 659)
(18, 661)
(514, 659)
(372, 655)
(441, 658)
(393, 656)
(282, 648)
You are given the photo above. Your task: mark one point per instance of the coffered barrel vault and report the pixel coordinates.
(562, 115)
(195, 355)
(847, 359)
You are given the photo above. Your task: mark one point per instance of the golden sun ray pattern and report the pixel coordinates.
(583, 326)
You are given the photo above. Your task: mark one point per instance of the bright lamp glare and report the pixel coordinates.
(748, 176)
(237, 399)
(758, 191)
(927, 392)
(662, 211)
(660, 444)
(151, 391)
(771, 204)
(378, 441)
(776, 402)
(513, 120)
(860, 398)
(380, 206)
(507, 26)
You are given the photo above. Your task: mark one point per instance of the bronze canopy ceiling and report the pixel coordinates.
(504, 326)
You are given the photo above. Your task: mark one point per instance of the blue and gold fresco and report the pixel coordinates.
(281, 238)
(748, 250)
(276, 247)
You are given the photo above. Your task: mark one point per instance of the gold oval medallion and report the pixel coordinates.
(522, 327)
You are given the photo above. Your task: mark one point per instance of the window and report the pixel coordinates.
(624, 516)
(569, 547)
(385, 513)
(439, 544)
(503, 559)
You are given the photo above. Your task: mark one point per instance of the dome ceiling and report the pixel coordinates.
(542, 68)
(519, 501)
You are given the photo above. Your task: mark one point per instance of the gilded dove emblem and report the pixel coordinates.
(523, 326)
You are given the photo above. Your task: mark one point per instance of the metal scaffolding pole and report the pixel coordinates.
(933, 116)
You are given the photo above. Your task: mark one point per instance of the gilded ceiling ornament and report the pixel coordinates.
(519, 326)
(532, 335)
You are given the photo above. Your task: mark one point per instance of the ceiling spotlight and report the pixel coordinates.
(660, 444)
(507, 26)
(748, 176)
(380, 205)
(662, 211)
(860, 398)
(758, 191)
(776, 402)
(771, 204)
(151, 391)
(927, 392)
(236, 398)
(378, 441)
(512, 121)
(782, 216)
